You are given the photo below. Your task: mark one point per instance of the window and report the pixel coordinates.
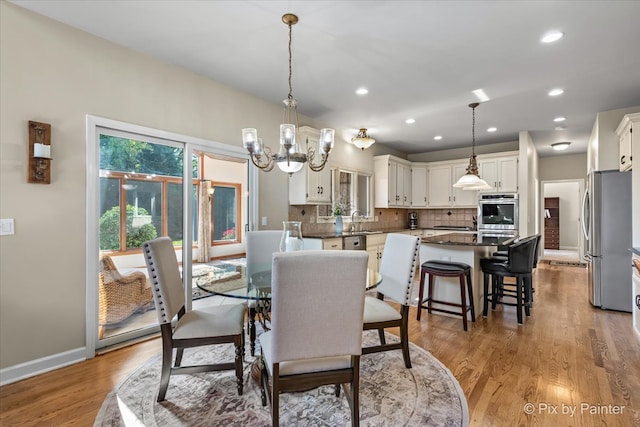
(140, 193)
(352, 189)
(225, 213)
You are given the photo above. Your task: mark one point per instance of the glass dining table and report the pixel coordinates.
(258, 288)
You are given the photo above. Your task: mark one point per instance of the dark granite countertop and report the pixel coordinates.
(331, 235)
(467, 239)
(636, 251)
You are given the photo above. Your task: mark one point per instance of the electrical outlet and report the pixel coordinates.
(264, 221)
(6, 227)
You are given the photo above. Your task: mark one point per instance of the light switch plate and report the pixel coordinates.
(264, 221)
(6, 227)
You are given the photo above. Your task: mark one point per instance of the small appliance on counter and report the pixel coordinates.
(413, 220)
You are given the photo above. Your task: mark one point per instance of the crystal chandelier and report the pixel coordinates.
(362, 140)
(471, 180)
(289, 159)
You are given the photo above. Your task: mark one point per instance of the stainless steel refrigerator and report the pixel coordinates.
(606, 224)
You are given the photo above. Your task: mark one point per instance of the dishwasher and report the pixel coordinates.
(354, 243)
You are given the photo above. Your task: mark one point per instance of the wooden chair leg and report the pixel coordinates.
(165, 372)
(238, 341)
(404, 336)
(423, 272)
(383, 340)
(252, 330)
(179, 353)
(495, 290)
(463, 302)
(430, 293)
(471, 300)
(519, 298)
(485, 298)
(355, 394)
(275, 396)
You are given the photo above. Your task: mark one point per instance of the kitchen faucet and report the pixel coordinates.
(353, 223)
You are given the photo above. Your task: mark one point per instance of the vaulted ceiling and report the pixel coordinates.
(418, 59)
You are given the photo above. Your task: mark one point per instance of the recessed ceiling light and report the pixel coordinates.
(362, 91)
(559, 146)
(479, 93)
(410, 121)
(437, 137)
(559, 119)
(552, 36)
(556, 92)
(492, 129)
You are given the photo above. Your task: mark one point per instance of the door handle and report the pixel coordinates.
(585, 232)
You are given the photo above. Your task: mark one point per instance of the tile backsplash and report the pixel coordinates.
(388, 219)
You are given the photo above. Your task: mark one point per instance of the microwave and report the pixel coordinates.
(498, 211)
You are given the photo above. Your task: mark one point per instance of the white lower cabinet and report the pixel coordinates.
(375, 248)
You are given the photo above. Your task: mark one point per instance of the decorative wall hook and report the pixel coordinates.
(39, 165)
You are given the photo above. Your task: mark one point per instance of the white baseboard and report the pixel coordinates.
(40, 366)
(569, 248)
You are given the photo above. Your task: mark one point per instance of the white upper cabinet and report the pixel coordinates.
(628, 138)
(501, 173)
(440, 191)
(419, 185)
(392, 176)
(307, 187)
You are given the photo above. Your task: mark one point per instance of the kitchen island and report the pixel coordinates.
(460, 247)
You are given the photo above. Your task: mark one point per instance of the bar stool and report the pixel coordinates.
(518, 264)
(438, 268)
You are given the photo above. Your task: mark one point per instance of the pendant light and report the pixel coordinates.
(362, 140)
(289, 158)
(471, 180)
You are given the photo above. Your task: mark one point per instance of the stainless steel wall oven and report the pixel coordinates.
(498, 211)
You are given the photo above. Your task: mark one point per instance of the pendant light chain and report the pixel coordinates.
(290, 67)
(473, 131)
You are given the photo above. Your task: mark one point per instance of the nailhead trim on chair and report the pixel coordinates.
(154, 283)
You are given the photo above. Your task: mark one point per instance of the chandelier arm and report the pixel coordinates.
(267, 165)
(311, 154)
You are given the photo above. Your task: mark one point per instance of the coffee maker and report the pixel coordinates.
(413, 220)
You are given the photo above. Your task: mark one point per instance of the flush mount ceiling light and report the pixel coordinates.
(556, 92)
(289, 159)
(560, 146)
(471, 180)
(362, 140)
(552, 36)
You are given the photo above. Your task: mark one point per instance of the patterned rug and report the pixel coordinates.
(390, 395)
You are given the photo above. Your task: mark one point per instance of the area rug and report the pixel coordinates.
(390, 395)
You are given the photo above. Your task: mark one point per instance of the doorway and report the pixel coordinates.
(144, 183)
(560, 215)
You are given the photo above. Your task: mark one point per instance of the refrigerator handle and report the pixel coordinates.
(582, 220)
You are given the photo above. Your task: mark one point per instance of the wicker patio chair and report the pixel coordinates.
(120, 296)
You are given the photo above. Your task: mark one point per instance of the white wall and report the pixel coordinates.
(569, 194)
(528, 182)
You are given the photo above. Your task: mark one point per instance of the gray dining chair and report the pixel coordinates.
(220, 324)
(261, 245)
(317, 304)
(397, 268)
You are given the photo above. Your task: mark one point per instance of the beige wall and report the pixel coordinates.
(55, 74)
(569, 166)
(528, 186)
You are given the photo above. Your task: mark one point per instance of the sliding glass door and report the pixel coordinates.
(144, 188)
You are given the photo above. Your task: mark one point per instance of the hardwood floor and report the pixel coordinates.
(566, 355)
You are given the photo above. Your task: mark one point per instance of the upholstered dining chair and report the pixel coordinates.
(220, 324)
(261, 244)
(397, 268)
(317, 304)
